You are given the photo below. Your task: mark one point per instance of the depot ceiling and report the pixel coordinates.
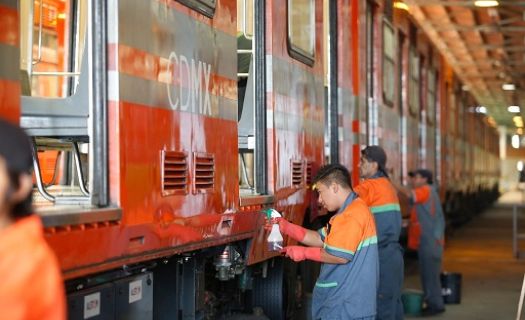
(484, 45)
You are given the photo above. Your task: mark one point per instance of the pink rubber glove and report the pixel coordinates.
(299, 253)
(292, 230)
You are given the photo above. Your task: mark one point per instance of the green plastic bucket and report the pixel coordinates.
(412, 302)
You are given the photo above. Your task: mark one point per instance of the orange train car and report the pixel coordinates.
(164, 129)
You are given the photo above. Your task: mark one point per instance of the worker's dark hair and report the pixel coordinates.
(376, 154)
(333, 173)
(425, 173)
(15, 150)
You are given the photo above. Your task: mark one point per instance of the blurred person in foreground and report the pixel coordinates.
(346, 247)
(427, 236)
(31, 286)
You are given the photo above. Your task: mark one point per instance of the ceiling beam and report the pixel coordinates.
(481, 28)
(424, 3)
(490, 62)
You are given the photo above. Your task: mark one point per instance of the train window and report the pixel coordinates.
(206, 7)
(431, 95)
(51, 47)
(388, 64)
(413, 82)
(301, 30)
(58, 105)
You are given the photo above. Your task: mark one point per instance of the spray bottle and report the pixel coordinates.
(275, 239)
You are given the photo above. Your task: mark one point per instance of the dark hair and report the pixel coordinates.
(425, 173)
(375, 154)
(15, 149)
(333, 173)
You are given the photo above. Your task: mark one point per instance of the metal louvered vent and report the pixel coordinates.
(297, 173)
(308, 173)
(174, 172)
(203, 172)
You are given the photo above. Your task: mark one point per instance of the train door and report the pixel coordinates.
(413, 99)
(430, 119)
(331, 83)
(251, 71)
(371, 72)
(63, 104)
(401, 100)
(389, 120)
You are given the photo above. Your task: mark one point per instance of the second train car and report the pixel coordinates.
(163, 129)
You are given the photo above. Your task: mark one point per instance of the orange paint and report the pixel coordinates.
(9, 26)
(10, 92)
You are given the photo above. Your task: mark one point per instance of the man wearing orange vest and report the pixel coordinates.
(346, 247)
(381, 197)
(426, 235)
(31, 287)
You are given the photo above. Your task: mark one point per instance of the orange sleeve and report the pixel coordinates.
(344, 236)
(420, 194)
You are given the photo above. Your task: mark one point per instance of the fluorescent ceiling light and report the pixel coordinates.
(486, 3)
(481, 109)
(513, 109)
(508, 86)
(400, 5)
(515, 141)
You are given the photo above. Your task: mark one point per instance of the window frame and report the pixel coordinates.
(414, 83)
(389, 101)
(295, 51)
(432, 92)
(204, 7)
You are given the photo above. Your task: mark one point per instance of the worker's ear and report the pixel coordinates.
(25, 182)
(335, 187)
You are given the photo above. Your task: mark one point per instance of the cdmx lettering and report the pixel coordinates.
(196, 93)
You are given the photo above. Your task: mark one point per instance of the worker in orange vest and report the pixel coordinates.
(346, 247)
(31, 286)
(377, 192)
(426, 235)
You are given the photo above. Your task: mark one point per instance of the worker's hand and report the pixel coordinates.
(299, 253)
(287, 228)
(292, 230)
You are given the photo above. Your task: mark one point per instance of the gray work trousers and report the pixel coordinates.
(391, 268)
(430, 269)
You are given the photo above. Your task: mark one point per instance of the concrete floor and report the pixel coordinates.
(482, 252)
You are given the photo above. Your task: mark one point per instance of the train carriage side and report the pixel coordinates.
(171, 88)
(155, 165)
(9, 47)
